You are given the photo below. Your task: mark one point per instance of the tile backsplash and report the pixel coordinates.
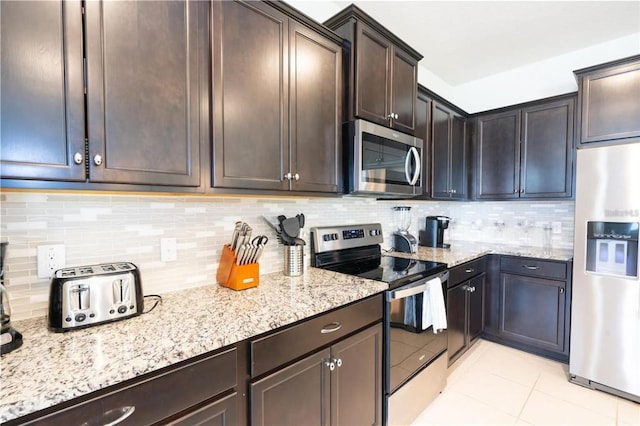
(97, 228)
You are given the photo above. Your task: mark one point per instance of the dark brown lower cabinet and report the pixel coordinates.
(222, 412)
(339, 385)
(465, 315)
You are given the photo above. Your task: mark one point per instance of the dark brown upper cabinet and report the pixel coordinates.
(144, 77)
(609, 99)
(423, 131)
(277, 93)
(383, 71)
(449, 156)
(42, 104)
(145, 73)
(526, 152)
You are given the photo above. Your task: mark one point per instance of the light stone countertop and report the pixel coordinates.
(51, 368)
(464, 251)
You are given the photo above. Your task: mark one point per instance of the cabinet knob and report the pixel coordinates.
(288, 176)
(78, 158)
(97, 160)
(522, 190)
(296, 176)
(330, 364)
(515, 191)
(561, 290)
(454, 191)
(338, 362)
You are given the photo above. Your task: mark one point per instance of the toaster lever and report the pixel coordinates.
(80, 298)
(121, 291)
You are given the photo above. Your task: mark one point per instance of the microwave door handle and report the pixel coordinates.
(407, 292)
(407, 163)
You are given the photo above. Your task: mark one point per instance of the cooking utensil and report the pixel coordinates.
(291, 227)
(300, 220)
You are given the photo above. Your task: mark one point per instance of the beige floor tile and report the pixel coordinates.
(511, 365)
(543, 409)
(467, 361)
(502, 394)
(628, 412)
(453, 408)
(559, 387)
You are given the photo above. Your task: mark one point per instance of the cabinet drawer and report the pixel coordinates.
(533, 267)
(283, 346)
(157, 398)
(466, 271)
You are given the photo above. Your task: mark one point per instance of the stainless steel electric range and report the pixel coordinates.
(415, 358)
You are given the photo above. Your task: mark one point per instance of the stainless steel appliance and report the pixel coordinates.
(381, 161)
(403, 241)
(88, 295)
(415, 358)
(10, 339)
(605, 311)
(433, 235)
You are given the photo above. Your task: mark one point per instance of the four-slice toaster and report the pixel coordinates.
(88, 295)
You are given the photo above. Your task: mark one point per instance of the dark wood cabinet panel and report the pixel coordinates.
(449, 157)
(315, 111)
(498, 160)
(222, 412)
(143, 91)
(533, 311)
(610, 101)
(42, 100)
(423, 131)
(404, 91)
(356, 386)
(250, 92)
(476, 307)
(547, 150)
(373, 75)
(526, 152)
(456, 322)
(295, 395)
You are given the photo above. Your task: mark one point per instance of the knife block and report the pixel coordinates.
(234, 276)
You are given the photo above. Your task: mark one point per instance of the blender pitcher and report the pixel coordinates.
(403, 241)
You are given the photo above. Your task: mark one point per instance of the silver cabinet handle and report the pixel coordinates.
(454, 191)
(472, 289)
(330, 364)
(330, 328)
(522, 190)
(296, 176)
(561, 290)
(515, 191)
(78, 158)
(531, 268)
(470, 270)
(97, 160)
(338, 362)
(126, 413)
(287, 176)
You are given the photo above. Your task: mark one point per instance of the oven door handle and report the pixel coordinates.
(403, 293)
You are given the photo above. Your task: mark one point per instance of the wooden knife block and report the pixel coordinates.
(234, 276)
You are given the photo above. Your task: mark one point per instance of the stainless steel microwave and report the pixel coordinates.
(381, 161)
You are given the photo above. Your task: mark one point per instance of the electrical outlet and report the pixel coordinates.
(168, 250)
(556, 227)
(50, 258)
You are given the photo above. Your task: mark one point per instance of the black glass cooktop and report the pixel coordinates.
(395, 271)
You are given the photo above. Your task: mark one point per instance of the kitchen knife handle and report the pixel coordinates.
(331, 327)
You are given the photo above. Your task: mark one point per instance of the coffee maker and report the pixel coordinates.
(403, 241)
(433, 235)
(10, 338)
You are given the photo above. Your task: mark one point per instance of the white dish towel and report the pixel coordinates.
(433, 309)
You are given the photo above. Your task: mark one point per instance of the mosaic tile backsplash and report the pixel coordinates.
(98, 228)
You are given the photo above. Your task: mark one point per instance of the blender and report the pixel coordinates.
(10, 338)
(403, 241)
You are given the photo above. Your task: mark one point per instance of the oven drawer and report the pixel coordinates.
(466, 271)
(278, 348)
(533, 267)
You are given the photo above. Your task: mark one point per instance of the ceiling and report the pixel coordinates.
(463, 41)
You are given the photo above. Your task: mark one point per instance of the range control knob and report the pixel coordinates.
(326, 237)
(374, 232)
(122, 309)
(80, 317)
(334, 236)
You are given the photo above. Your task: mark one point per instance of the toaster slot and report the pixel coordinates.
(79, 297)
(121, 290)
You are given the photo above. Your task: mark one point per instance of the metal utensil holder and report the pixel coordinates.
(293, 260)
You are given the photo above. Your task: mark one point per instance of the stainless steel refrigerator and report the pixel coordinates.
(605, 309)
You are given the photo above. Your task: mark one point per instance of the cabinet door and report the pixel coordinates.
(219, 413)
(373, 79)
(41, 100)
(498, 156)
(356, 386)
(456, 321)
(250, 96)
(458, 172)
(144, 90)
(476, 306)
(547, 150)
(295, 395)
(423, 131)
(404, 89)
(611, 104)
(441, 162)
(315, 110)
(532, 311)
